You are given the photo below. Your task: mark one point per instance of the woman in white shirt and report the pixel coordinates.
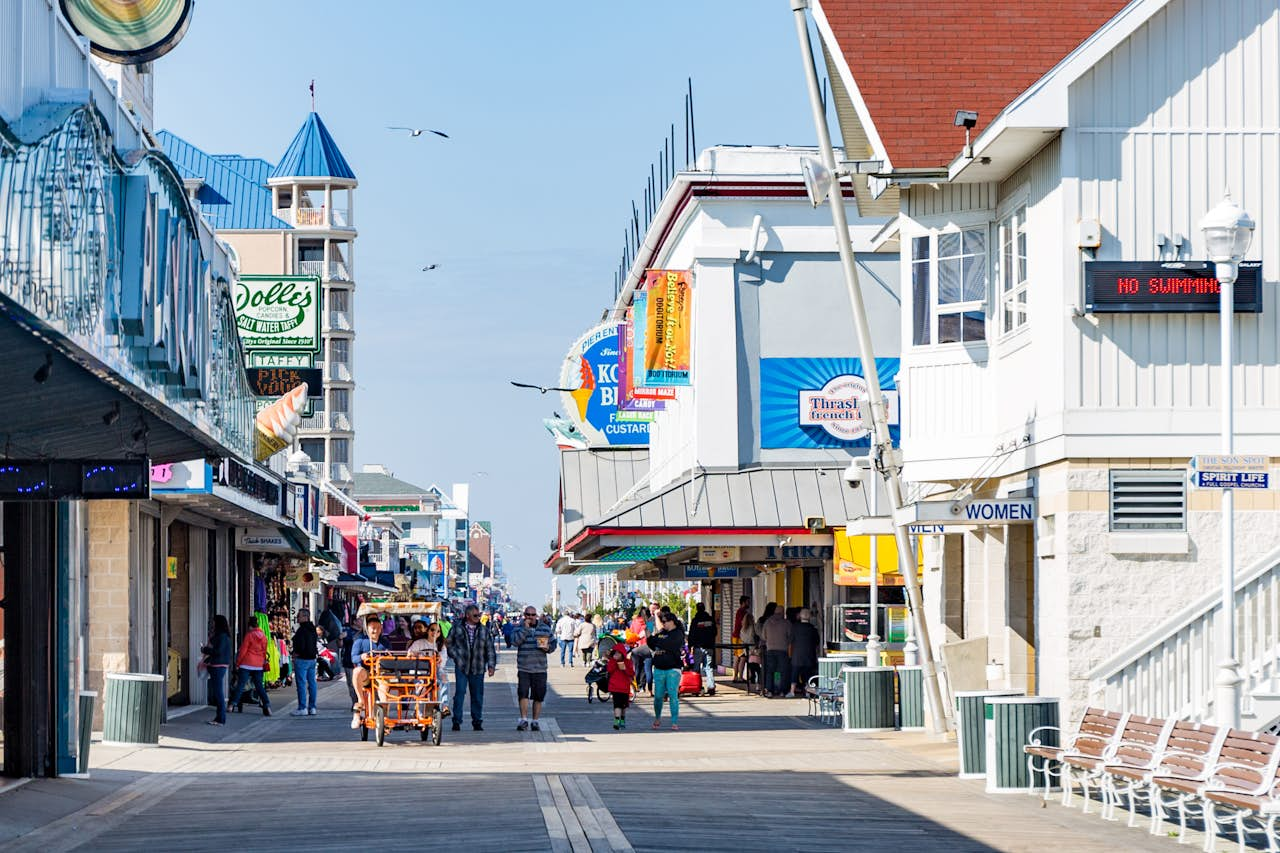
(431, 641)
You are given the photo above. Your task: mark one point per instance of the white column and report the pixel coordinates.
(715, 359)
(1228, 680)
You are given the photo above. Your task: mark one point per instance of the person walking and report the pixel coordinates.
(473, 654)
(250, 663)
(775, 636)
(621, 674)
(565, 629)
(534, 644)
(667, 644)
(217, 654)
(642, 660)
(747, 665)
(702, 639)
(805, 641)
(584, 641)
(305, 648)
(350, 634)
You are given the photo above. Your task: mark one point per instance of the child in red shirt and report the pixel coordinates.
(621, 674)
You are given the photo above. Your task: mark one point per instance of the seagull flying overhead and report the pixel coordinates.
(538, 387)
(415, 132)
(429, 267)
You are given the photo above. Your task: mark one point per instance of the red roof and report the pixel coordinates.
(916, 63)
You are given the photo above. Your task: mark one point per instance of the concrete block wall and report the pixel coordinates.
(110, 553)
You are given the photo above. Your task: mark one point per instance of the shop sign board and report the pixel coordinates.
(278, 381)
(815, 402)
(973, 513)
(1177, 287)
(668, 327)
(719, 553)
(637, 317)
(263, 539)
(42, 480)
(278, 313)
(438, 561)
(1230, 480)
(1225, 463)
(591, 369)
(193, 477)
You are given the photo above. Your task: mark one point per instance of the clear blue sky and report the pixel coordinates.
(555, 112)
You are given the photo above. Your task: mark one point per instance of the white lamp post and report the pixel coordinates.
(1228, 231)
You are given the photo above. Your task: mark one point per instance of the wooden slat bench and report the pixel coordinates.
(1098, 730)
(1194, 750)
(1242, 787)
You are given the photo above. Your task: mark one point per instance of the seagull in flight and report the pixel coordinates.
(538, 387)
(429, 267)
(415, 132)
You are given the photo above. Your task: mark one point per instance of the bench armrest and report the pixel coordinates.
(1032, 740)
(1203, 758)
(1214, 784)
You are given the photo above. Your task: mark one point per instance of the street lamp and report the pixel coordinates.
(1228, 231)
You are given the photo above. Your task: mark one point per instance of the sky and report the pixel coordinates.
(554, 113)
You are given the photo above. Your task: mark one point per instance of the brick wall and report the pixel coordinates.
(110, 551)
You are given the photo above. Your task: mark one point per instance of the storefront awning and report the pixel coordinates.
(756, 507)
(853, 559)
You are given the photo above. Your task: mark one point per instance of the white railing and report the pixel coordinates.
(314, 217)
(316, 421)
(340, 471)
(1171, 670)
(332, 271)
(340, 420)
(340, 321)
(340, 372)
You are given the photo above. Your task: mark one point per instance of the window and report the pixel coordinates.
(339, 299)
(949, 287)
(339, 351)
(1149, 500)
(339, 400)
(341, 449)
(313, 447)
(1012, 273)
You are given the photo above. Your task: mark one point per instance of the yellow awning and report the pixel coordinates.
(853, 559)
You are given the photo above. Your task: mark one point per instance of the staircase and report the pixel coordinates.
(1170, 672)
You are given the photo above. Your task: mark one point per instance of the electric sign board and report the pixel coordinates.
(43, 480)
(1155, 287)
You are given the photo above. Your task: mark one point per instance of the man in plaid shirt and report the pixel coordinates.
(473, 654)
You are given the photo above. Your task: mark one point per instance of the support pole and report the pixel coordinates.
(1227, 683)
(888, 457)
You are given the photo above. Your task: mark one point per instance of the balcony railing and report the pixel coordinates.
(316, 421)
(340, 471)
(332, 271)
(340, 420)
(340, 371)
(314, 217)
(341, 321)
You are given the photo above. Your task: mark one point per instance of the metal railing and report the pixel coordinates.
(340, 471)
(340, 420)
(314, 217)
(1171, 670)
(341, 321)
(340, 372)
(331, 271)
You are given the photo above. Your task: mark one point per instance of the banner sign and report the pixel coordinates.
(279, 313)
(591, 368)
(668, 344)
(813, 402)
(632, 406)
(636, 317)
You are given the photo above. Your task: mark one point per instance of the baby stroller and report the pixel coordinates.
(597, 679)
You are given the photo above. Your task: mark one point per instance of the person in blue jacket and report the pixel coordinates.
(217, 654)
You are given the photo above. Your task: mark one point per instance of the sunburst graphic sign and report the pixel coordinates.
(130, 32)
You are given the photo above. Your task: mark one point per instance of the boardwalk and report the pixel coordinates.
(743, 774)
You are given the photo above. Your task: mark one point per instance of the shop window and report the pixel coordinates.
(1012, 270)
(949, 286)
(1149, 500)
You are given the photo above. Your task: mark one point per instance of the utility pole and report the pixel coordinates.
(887, 457)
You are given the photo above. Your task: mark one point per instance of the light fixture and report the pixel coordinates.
(41, 375)
(112, 415)
(140, 432)
(862, 167)
(818, 180)
(1228, 231)
(966, 119)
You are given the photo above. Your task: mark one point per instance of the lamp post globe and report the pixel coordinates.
(1228, 231)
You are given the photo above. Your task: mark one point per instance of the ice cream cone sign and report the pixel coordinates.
(277, 424)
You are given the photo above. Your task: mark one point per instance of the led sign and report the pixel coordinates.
(31, 479)
(1152, 287)
(278, 381)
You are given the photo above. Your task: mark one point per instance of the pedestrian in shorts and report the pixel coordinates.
(621, 674)
(534, 643)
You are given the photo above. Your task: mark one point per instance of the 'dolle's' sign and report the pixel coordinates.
(280, 313)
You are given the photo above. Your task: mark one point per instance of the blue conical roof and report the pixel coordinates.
(313, 154)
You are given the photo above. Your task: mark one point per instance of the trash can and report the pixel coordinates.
(133, 709)
(911, 698)
(88, 699)
(829, 667)
(971, 730)
(1009, 722)
(868, 699)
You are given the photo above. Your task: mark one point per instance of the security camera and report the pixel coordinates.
(966, 119)
(815, 523)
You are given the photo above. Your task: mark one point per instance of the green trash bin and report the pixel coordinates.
(134, 708)
(1010, 721)
(88, 699)
(910, 698)
(971, 730)
(829, 667)
(868, 699)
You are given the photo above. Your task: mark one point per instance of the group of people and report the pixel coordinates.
(781, 649)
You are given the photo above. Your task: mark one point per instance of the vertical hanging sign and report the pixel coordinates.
(668, 328)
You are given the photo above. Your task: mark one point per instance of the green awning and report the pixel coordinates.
(600, 569)
(639, 553)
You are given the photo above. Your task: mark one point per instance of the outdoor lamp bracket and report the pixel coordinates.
(1228, 231)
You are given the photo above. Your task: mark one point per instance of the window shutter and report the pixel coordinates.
(1149, 500)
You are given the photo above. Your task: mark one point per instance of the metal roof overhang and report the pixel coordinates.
(62, 417)
(595, 544)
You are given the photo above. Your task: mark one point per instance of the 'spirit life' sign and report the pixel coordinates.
(1153, 287)
(280, 313)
